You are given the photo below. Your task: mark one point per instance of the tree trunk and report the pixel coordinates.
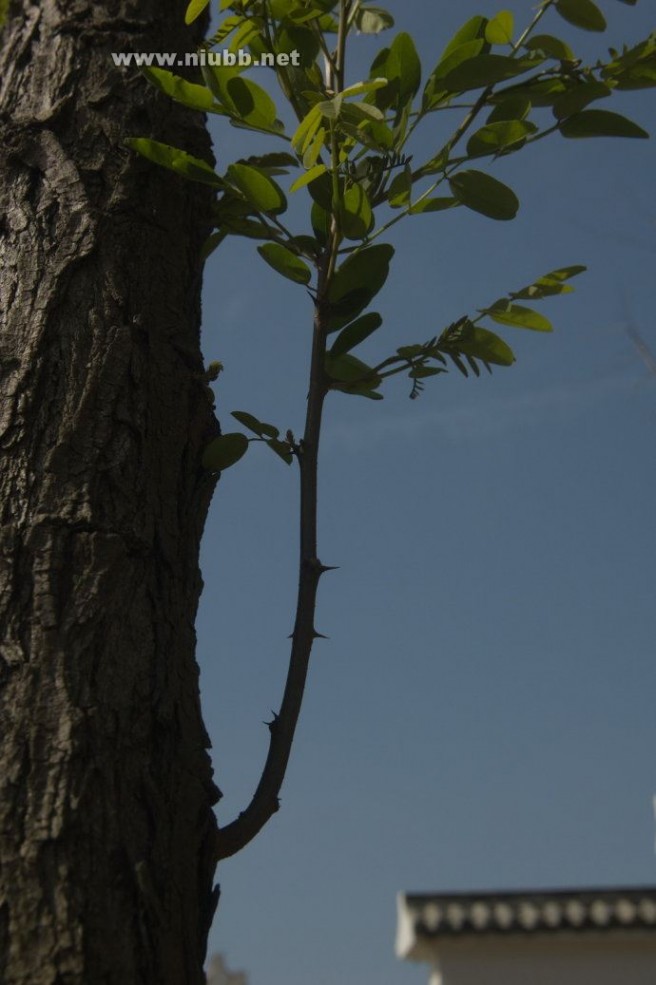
(106, 825)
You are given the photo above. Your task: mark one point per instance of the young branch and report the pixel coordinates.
(265, 802)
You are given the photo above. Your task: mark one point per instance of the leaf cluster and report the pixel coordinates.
(349, 153)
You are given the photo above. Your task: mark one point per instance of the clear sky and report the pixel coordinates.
(482, 716)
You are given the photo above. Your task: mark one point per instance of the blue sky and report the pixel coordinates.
(482, 715)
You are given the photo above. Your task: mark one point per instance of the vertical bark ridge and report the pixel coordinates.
(106, 823)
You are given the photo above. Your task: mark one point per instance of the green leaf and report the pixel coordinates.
(486, 346)
(551, 46)
(542, 92)
(551, 284)
(582, 13)
(320, 221)
(309, 176)
(357, 281)
(373, 20)
(484, 194)
(292, 38)
(515, 107)
(400, 188)
(251, 228)
(188, 93)
(263, 193)
(505, 313)
(403, 48)
(495, 137)
(281, 448)
(369, 85)
(244, 100)
(192, 168)
(485, 70)
(635, 68)
(600, 123)
(212, 242)
(274, 162)
(579, 97)
(478, 343)
(472, 30)
(224, 451)
(499, 30)
(306, 129)
(423, 372)
(194, 10)
(285, 262)
(355, 333)
(356, 214)
(434, 90)
(311, 154)
(348, 369)
(438, 204)
(255, 425)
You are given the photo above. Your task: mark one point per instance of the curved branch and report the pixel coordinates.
(236, 835)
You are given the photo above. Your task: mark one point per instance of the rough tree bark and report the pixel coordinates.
(106, 825)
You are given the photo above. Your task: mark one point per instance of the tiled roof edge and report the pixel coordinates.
(433, 915)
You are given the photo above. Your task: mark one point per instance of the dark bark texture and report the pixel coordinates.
(106, 826)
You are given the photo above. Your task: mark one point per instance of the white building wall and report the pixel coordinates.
(624, 959)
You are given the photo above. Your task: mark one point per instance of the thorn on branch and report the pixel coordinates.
(319, 636)
(273, 724)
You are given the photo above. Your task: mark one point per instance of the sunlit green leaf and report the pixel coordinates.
(550, 284)
(309, 176)
(224, 451)
(373, 20)
(505, 313)
(356, 215)
(176, 160)
(499, 30)
(285, 262)
(487, 346)
(484, 194)
(188, 93)
(259, 188)
(195, 9)
(480, 343)
(244, 100)
(306, 130)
